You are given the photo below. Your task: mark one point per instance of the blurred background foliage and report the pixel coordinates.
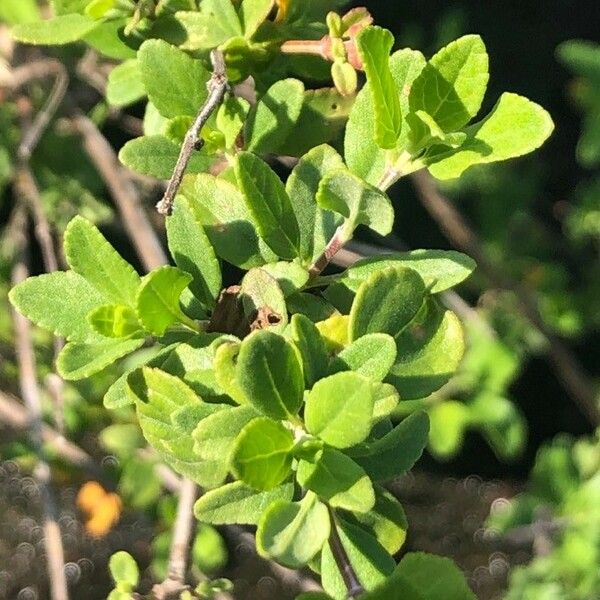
(504, 427)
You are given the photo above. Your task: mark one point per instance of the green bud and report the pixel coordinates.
(344, 78)
(334, 24)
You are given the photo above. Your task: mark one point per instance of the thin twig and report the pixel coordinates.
(174, 584)
(31, 396)
(217, 87)
(134, 218)
(457, 230)
(342, 561)
(335, 244)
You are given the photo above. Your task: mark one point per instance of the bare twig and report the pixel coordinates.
(135, 219)
(342, 561)
(31, 396)
(336, 243)
(174, 584)
(457, 230)
(217, 87)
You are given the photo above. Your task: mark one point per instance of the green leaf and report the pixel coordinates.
(238, 503)
(55, 31)
(439, 269)
(209, 552)
(168, 412)
(214, 436)
(270, 374)
(114, 321)
(397, 451)
(322, 119)
(338, 480)
(104, 38)
(448, 421)
(292, 533)
(363, 156)
(386, 399)
(339, 409)
(124, 86)
(222, 210)
(386, 302)
(448, 584)
(374, 45)
(122, 439)
(316, 225)
(224, 365)
(262, 298)
(261, 455)
(369, 560)
(124, 569)
(452, 85)
(78, 360)
(216, 22)
(14, 12)
(371, 355)
(312, 348)
(424, 132)
(90, 255)
(516, 126)
(272, 118)
(58, 302)
(174, 82)
(193, 253)
(356, 200)
(231, 117)
(386, 521)
(269, 204)
(156, 155)
(252, 14)
(157, 303)
(429, 352)
(291, 277)
(314, 307)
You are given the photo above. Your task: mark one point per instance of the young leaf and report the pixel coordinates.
(516, 126)
(114, 321)
(386, 521)
(334, 330)
(397, 451)
(156, 155)
(363, 156)
(292, 533)
(356, 200)
(252, 14)
(221, 208)
(312, 348)
(374, 45)
(316, 225)
(193, 252)
(269, 204)
(124, 570)
(58, 302)
(238, 503)
(337, 479)
(339, 409)
(386, 302)
(270, 373)
(273, 116)
(369, 560)
(261, 455)
(56, 31)
(371, 355)
(429, 352)
(439, 269)
(124, 85)
(168, 412)
(448, 584)
(262, 298)
(452, 85)
(90, 255)
(157, 303)
(78, 360)
(174, 82)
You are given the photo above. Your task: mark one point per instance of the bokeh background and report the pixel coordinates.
(538, 221)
